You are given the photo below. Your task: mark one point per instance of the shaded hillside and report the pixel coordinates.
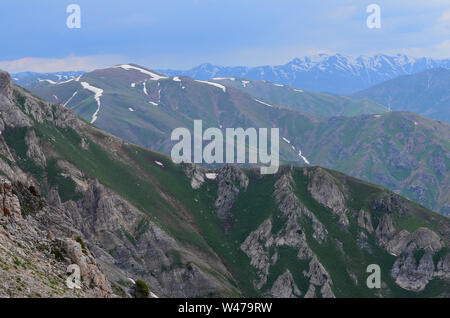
(322, 104)
(426, 93)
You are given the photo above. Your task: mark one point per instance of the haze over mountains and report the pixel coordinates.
(336, 73)
(380, 79)
(73, 194)
(322, 104)
(401, 151)
(27, 78)
(426, 93)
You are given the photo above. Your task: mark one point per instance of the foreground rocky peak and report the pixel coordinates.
(6, 84)
(28, 245)
(19, 108)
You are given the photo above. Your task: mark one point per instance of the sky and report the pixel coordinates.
(181, 34)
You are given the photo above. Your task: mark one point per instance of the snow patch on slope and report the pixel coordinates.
(48, 81)
(213, 84)
(211, 176)
(261, 102)
(98, 93)
(57, 83)
(303, 157)
(68, 101)
(145, 89)
(224, 78)
(153, 76)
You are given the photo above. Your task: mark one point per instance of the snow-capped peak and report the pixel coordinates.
(153, 76)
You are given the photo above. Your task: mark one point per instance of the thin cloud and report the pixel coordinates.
(343, 13)
(71, 63)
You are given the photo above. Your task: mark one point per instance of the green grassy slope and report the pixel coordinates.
(426, 93)
(322, 104)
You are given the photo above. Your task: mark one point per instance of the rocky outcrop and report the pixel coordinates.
(285, 287)
(34, 150)
(389, 204)
(414, 266)
(29, 198)
(90, 273)
(385, 230)
(257, 246)
(443, 268)
(262, 244)
(9, 202)
(6, 84)
(33, 261)
(421, 239)
(9, 116)
(318, 278)
(231, 181)
(111, 241)
(326, 190)
(365, 221)
(290, 205)
(196, 174)
(126, 244)
(30, 108)
(412, 275)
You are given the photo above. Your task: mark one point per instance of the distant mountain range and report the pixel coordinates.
(401, 151)
(426, 93)
(337, 73)
(27, 78)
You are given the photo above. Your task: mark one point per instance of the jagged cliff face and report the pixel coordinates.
(33, 261)
(72, 194)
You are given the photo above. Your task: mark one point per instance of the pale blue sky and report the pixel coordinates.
(185, 33)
